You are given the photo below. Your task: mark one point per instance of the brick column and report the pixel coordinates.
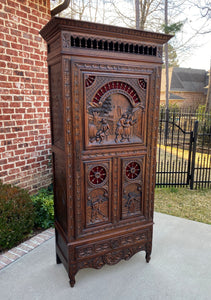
(25, 156)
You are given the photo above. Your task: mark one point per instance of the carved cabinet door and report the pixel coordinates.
(112, 145)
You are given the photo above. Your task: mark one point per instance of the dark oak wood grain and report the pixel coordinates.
(104, 99)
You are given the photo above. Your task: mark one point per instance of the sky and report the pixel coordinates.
(199, 55)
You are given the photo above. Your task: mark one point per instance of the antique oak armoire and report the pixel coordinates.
(104, 100)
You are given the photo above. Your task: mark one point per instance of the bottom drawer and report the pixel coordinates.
(109, 245)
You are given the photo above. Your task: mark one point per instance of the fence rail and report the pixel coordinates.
(184, 149)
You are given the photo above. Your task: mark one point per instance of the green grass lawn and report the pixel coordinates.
(185, 203)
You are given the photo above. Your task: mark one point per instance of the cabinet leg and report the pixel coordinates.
(148, 252)
(58, 260)
(148, 256)
(72, 280)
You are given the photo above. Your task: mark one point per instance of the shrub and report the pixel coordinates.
(44, 208)
(16, 215)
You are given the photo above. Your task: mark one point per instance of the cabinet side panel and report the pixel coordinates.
(56, 105)
(60, 202)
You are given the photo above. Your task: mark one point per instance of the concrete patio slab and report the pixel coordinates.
(180, 268)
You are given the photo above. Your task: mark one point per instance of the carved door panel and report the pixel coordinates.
(97, 193)
(115, 110)
(132, 186)
(114, 122)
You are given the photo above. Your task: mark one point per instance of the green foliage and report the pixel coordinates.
(172, 57)
(201, 109)
(44, 208)
(173, 107)
(16, 215)
(172, 28)
(204, 129)
(173, 189)
(184, 203)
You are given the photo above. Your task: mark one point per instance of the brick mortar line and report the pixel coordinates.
(3, 264)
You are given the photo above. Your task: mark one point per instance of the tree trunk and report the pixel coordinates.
(166, 58)
(137, 8)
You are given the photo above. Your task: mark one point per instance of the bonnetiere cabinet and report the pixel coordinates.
(104, 102)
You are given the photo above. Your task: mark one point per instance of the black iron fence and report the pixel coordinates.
(184, 149)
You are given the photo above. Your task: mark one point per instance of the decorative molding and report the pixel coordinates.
(109, 245)
(68, 112)
(51, 28)
(110, 258)
(114, 68)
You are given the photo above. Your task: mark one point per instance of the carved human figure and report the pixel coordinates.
(103, 132)
(123, 128)
(131, 203)
(129, 122)
(96, 211)
(120, 128)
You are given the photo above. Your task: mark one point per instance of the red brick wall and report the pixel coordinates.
(191, 100)
(24, 105)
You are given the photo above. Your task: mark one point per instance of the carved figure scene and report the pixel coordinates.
(97, 207)
(123, 127)
(131, 200)
(102, 133)
(114, 121)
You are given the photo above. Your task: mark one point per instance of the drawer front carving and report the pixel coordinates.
(112, 244)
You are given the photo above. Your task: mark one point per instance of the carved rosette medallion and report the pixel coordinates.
(97, 175)
(132, 170)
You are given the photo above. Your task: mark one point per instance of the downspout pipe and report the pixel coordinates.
(60, 8)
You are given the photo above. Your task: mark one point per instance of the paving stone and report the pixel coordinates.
(31, 243)
(5, 260)
(18, 252)
(1, 266)
(25, 247)
(10, 256)
(43, 236)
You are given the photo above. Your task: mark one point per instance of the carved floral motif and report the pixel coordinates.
(133, 170)
(97, 175)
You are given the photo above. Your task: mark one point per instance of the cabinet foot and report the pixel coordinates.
(148, 251)
(58, 260)
(148, 257)
(72, 281)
